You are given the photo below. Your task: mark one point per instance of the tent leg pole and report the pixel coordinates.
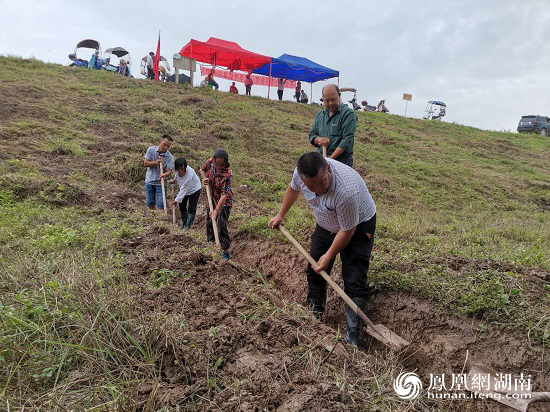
(338, 81)
(311, 92)
(269, 85)
(191, 67)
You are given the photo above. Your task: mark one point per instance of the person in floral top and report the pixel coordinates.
(216, 173)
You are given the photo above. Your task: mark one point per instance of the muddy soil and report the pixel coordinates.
(439, 343)
(269, 356)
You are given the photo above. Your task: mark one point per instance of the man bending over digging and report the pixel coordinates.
(346, 220)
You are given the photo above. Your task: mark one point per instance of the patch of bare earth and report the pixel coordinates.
(440, 343)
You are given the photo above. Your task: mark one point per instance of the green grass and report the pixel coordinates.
(71, 138)
(57, 318)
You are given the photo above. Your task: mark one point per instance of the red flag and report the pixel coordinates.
(157, 61)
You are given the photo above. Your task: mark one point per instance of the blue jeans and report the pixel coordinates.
(152, 193)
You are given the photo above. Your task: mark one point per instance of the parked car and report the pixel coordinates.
(534, 124)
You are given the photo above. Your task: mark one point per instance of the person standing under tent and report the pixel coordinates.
(298, 89)
(248, 84)
(211, 80)
(334, 127)
(281, 87)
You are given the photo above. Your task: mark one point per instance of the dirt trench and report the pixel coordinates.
(440, 343)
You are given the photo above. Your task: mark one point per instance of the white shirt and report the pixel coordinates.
(189, 183)
(150, 62)
(281, 84)
(346, 203)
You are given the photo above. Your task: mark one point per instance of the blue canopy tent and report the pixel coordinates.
(297, 68)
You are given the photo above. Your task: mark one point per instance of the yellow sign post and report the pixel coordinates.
(407, 97)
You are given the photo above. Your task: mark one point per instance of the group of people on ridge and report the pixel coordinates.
(300, 95)
(344, 210)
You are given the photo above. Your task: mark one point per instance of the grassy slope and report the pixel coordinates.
(463, 213)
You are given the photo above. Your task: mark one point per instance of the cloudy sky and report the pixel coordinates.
(489, 61)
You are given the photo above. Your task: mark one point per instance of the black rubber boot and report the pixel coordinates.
(184, 218)
(316, 299)
(190, 220)
(354, 323)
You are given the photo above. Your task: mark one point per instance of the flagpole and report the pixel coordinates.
(269, 85)
(157, 61)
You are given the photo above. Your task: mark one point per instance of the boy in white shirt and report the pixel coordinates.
(189, 193)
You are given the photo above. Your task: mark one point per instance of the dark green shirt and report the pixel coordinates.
(340, 129)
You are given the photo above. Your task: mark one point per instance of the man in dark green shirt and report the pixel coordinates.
(334, 127)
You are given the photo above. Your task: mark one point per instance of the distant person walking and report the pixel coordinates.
(281, 88)
(150, 65)
(334, 127)
(248, 84)
(297, 90)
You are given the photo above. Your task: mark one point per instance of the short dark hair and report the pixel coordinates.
(223, 154)
(310, 164)
(167, 137)
(180, 162)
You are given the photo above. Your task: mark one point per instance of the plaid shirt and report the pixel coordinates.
(219, 182)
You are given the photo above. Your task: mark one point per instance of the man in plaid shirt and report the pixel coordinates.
(346, 221)
(216, 173)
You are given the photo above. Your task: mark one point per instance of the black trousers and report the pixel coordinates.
(346, 159)
(150, 73)
(248, 90)
(355, 258)
(297, 96)
(192, 200)
(223, 232)
(280, 94)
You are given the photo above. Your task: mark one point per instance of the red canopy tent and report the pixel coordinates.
(218, 52)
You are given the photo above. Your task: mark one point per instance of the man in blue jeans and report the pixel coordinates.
(154, 156)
